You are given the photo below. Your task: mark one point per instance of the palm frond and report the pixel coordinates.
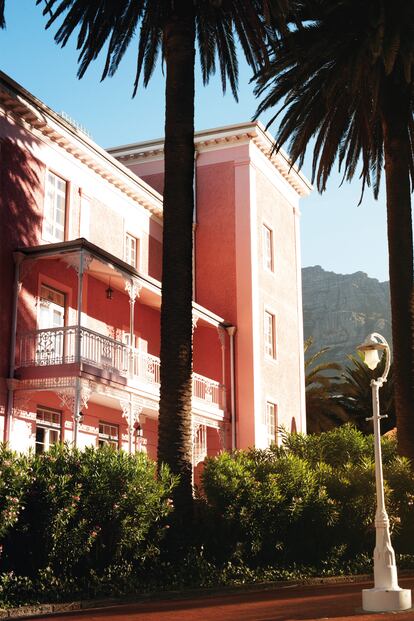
(324, 82)
(2, 20)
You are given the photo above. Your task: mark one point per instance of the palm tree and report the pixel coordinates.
(345, 79)
(172, 27)
(323, 412)
(355, 395)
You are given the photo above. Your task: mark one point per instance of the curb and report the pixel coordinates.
(37, 610)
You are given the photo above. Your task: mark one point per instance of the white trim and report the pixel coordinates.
(223, 137)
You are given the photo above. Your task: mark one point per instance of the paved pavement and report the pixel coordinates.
(337, 602)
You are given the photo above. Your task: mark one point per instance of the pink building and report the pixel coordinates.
(81, 243)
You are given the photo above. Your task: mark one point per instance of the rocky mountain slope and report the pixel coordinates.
(340, 310)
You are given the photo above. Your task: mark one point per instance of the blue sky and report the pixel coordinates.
(336, 233)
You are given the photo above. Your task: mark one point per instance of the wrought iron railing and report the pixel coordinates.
(57, 346)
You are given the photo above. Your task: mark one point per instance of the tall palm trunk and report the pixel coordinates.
(175, 432)
(400, 246)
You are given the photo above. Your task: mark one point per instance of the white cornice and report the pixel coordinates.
(229, 136)
(24, 106)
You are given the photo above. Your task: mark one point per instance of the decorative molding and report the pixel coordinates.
(86, 390)
(73, 260)
(195, 318)
(24, 414)
(126, 409)
(226, 137)
(42, 120)
(88, 429)
(133, 288)
(49, 383)
(67, 398)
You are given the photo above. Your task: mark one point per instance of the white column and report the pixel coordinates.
(79, 319)
(133, 288)
(76, 399)
(131, 411)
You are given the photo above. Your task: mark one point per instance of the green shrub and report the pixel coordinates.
(309, 502)
(15, 477)
(86, 512)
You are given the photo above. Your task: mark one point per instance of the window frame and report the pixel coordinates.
(48, 426)
(268, 248)
(271, 422)
(108, 438)
(50, 210)
(129, 238)
(269, 336)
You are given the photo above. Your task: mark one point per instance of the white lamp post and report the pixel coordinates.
(386, 594)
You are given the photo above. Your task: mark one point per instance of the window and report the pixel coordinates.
(51, 319)
(269, 335)
(131, 246)
(199, 445)
(47, 428)
(271, 422)
(108, 434)
(268, 248)
(55, 208)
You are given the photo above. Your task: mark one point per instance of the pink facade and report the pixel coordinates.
(81, 244)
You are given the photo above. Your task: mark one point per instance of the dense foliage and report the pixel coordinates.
(84, 524)
(74, 521)
(309, 502)
(342, 87)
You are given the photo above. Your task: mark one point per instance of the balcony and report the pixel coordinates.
(70, 344)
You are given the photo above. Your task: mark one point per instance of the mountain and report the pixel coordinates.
(340, 310)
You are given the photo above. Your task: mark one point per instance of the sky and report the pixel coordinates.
(336, 233)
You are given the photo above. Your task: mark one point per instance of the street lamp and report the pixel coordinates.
(386, 595)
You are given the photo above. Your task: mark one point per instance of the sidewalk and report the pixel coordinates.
(338, 602)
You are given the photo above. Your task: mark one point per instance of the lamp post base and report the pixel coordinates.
(386, 600)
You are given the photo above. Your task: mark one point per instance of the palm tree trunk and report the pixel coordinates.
(175, 430)
(400, 248)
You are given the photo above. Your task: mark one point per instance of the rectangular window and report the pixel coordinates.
(48, 423)
(271, 424)
(268, 248)
(108, 434)
(54, 209)
(269, 335)
(131, 247)
(51, 319)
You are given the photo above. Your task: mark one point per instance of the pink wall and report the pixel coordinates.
(21, 183)
(237, 189)
(207, 352)
(215, 238)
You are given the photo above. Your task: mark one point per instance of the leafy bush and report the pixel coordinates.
(309, 502)
(85, 518)
(92, 523)
(15, 476)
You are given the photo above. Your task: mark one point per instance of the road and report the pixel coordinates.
(339, 602)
